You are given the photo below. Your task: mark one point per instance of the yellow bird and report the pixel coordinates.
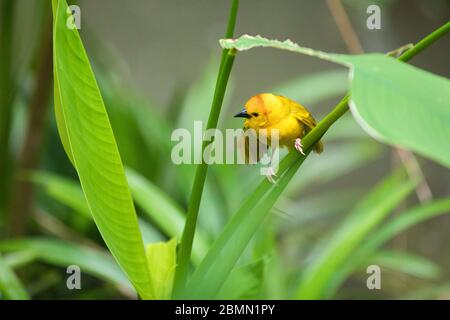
(291, 119)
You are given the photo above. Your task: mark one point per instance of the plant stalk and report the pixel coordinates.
(187, 237)
(292, 162)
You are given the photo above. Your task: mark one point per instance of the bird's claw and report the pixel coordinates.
(270, 175)
(298, 146)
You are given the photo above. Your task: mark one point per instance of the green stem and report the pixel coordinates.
(230, 32)
(425, 42)
(292, 162)
(187, 238)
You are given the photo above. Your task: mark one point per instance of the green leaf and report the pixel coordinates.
(247, 42)
(161, 258)
(330, 255)
(394, 102)
(63, 254)
(402, 105)
(10, 285)
(60, 121)
(89, 140)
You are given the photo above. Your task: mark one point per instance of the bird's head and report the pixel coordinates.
(255, 113)
(263, 110)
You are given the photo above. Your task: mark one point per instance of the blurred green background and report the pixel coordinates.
(156, 64)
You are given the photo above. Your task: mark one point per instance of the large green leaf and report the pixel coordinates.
(10, 285)
(394, 102)
(63, 254)
(402, 105)
(88, 139)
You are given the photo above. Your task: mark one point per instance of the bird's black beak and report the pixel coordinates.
(242, 114)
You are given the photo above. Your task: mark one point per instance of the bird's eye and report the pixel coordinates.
(255, 114)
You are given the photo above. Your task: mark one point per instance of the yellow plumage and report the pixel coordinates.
(269, 111)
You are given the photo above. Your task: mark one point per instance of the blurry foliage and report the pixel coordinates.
(316, 242)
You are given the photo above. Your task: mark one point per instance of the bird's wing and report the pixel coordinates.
(305, 117)
(302, 115)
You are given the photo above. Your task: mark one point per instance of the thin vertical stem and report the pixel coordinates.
(187, 238)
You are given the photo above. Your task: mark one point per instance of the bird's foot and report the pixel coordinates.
(298, 146)
(270, 175)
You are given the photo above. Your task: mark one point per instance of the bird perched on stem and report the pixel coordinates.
(266, 112)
